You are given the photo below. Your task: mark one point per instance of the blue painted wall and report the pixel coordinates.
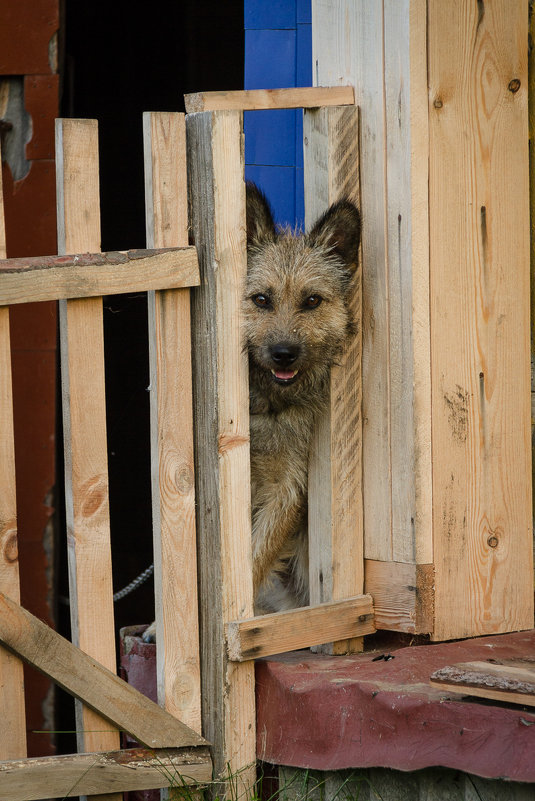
(278, 54)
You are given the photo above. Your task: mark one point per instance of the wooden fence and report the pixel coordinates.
(206, 676)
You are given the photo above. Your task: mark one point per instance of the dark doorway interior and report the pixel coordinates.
(119, 60)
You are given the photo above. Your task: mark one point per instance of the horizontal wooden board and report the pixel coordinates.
(514, 683)
(86, 679)
(258, 99)
(92, 274)
(107, 772)
(300, 628)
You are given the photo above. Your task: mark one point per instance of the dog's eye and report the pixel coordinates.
(262, 301)
(312, 302)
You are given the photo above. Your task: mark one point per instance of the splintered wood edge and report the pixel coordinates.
(263, 99)
(279, 632)
(94, 274)
(88, 774)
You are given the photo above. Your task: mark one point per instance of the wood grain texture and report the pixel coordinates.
(347, 47)
(95, 274)
(407, 144)
(512, 683)
(173, 481)
(300, 628)
(86, 679)
(480, 331)
(402, 595)
(84, 421)
(12, 708)
(249, 99)
(335, 512)
(221, 412)
(85, 774)
(12, 737)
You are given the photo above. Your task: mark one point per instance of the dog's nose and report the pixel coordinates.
(284, 353)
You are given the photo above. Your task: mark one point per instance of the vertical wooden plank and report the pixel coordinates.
(331, 163)
(405, 79)
(347, 45)
(12, 737)
(173, 484)
(479, 244)
(221, 410)
(84, 421)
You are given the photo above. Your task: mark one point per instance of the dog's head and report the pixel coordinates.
(296, 297)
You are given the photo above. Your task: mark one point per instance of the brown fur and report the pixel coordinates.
(296, 318)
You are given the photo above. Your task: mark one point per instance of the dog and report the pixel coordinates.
(296, 321)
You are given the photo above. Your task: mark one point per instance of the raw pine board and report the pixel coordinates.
(12, 737)
(480, 332)
(331, 165)
(173, 479)
(84, 421)
(249, 99)
(221, 413)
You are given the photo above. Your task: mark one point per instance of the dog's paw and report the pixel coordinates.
(149, 635)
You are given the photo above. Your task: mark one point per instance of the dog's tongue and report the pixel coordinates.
(284, 375)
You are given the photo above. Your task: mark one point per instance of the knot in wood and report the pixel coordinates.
(95, 492)
(10, 544)
(514, 85)
(437, 103)
(184, 479)
(492, 541)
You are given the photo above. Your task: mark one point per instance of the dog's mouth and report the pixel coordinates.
(284, 376)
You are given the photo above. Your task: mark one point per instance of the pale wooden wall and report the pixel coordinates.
(445, 203)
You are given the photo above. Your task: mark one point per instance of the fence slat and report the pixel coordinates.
(300, 628)
(173, 481)
(84, 677)
(249, 99)
(83, 774)
(93, 274)
(84, 421)
(217, 202)
(331, 159)
(12, 737)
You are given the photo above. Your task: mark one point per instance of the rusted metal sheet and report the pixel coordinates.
(330, 713)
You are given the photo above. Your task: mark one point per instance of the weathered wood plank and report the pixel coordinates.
(335, 519)
(112, 771)
(480, 330)
(514, 684)
(347, 47)
(84, 421)
(250, 99)
(94, 274)
(300, 628)
(406, 130)
(221, 412)
(173, 480)
(12, 737)
(402, 595)
(86, 679)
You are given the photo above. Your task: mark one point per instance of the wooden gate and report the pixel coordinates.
(217, 666)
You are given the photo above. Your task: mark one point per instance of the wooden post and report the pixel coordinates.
(331, 160)
(443, 99)
(173, 484)
(221, 410)
(84, 422)
(13, 736)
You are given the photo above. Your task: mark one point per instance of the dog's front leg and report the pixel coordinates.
(275, 521)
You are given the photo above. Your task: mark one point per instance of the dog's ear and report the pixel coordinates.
(339, 231)
(260, 223)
